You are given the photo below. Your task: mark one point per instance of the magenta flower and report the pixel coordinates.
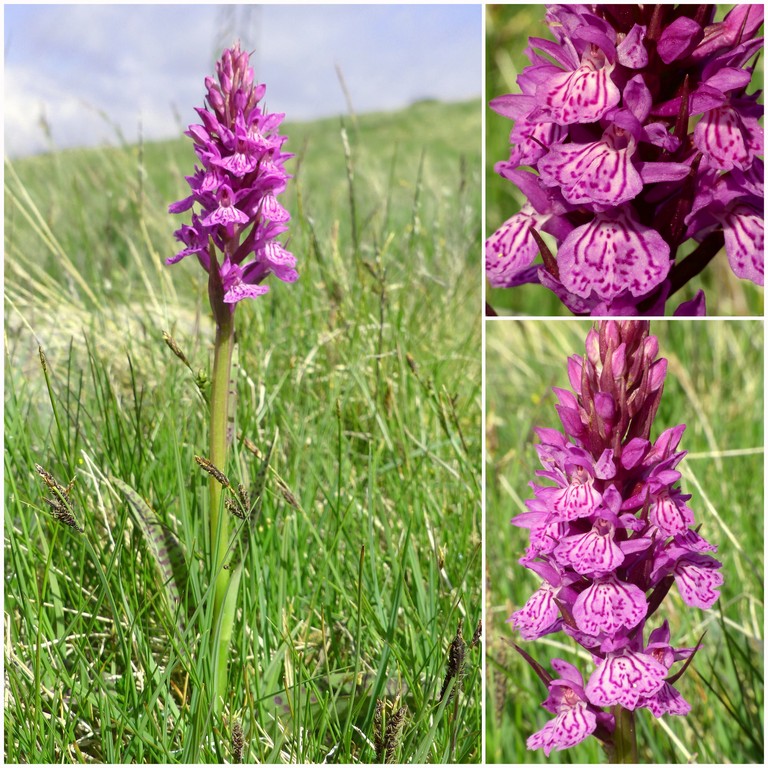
(237, 186)
(621, 177)
(610, 534)
(575, 717)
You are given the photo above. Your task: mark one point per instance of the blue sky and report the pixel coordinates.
(89, 71)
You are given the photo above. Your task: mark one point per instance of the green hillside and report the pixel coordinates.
(366, 555)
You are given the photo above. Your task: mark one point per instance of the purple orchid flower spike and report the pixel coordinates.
(237, 187)
(634, 134)
(610, 534)
(233, 233)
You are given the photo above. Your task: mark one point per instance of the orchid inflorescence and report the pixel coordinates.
(621, 177)
(237, 186)
(609, 536)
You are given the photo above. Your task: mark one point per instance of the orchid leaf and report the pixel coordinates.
(167, 552)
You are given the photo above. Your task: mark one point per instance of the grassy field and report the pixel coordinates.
(508, 28)
(715, 386)
(366, 556)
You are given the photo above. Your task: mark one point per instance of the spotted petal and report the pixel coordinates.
(631, 52)
(670, 515)
(570, 727)
(744, 230)
(723, 139)
(607, 605)
(538, 616)
(581, 96)
(272, 209)
(511, 248)
(277, 256)
(532, 139)
(698, 580)
(666, 701)
(625, 679)
(578, 499)
(592, 173)
(241, 291)
(593, 553)
(611, 255)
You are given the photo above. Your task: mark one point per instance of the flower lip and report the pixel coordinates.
(613, 255)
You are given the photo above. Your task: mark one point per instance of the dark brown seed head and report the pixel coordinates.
(237, 742)
(378, 734)
(478, 634)
(456, 655)
(213, 471)
(290, 499)
(393, 734)
(234, 508)
(62, 513)
(53, 484)
(243, 497)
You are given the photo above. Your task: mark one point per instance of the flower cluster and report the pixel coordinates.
(621, 180)
(609, 536)
(242, 173)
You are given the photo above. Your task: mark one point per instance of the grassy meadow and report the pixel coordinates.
(364, 376)
(714, 385)
(508, 28)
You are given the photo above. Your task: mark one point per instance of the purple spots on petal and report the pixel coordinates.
(511, 248)
(698, 580)
(538, 616)
(593, 553)
(744, 230)
(625, 679)
(611, 255)
(592, 173)
(667, 701)
(722, 137)
(581, 96)
(631, 51)
(578, 499)
(570, 727)
(532, 141)
(607, 605)
(669, 515)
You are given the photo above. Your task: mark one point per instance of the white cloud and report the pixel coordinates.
(128, 61)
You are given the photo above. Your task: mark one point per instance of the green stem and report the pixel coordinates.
(625, 738)
(219, 523)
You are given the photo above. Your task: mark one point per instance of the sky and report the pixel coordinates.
(82, 75)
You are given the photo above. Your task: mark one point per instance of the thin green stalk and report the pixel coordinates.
(219, 523)
(625, 736)
(347, 729)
